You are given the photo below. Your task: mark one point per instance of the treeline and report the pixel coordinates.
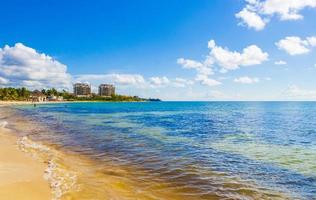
(95, 97)
(53, 92)
(23, 94)
(14, 94)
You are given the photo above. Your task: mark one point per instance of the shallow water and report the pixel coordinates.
(181, 150)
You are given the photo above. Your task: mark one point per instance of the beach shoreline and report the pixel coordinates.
(15, 103)
(21, 175)
(29, 170)
(12, 103)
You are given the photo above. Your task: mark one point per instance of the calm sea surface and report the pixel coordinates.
(188, 150)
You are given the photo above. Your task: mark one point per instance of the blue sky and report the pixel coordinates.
(162, 48)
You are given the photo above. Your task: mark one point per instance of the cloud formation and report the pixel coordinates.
(23, 66)
(181, 82)
(257, 13)
(156, 82)
(224, 59)
(159, 81)
(205, 80)
(295, 92)
(251, 19)
(133, 81)
(119, 79)
(246, 80)
(280, 62)
(3, 81)
(203, 70)
(231, 60)
(294, 45)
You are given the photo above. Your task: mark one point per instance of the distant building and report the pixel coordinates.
(106, 90)
(37, 96)
(82, 90)
(55, 98)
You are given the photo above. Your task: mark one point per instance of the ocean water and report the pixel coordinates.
(178, 150)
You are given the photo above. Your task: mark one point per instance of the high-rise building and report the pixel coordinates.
(82, 90)
(106, 90)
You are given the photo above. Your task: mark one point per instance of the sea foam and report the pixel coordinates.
(3, 124)
(61, 180)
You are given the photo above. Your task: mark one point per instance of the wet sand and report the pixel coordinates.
(21, 176)
(11, 103)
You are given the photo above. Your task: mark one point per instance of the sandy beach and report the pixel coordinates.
(21, 176)
(10, 103)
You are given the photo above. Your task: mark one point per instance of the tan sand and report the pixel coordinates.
(21, 176)
(10, 103)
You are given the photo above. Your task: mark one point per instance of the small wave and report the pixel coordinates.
(61, 180)
(3, 124)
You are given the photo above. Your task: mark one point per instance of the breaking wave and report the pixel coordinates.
(61, 179)
(3, 124)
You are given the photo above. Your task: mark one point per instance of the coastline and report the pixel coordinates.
(29, 170)
(70, 175)
(21, 176)
(12, 103)
(60, 174)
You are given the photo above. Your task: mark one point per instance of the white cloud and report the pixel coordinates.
(133, 81)
(251, 19)
(295, 92)
(156, 82)
(159, 81)
(280, 62)
(162, 87)
(231, 60)
(21, 64)
(201, 68)
(295, 45)
(204, 70)
(120, 79)
(211, 44)
(311, 41)
(286, 9)
(3, 81)
(225, 59)
(255, 10)
(127, 79)
(32, 84)
(246, 80)
(205, 80)
(180, 82)
(189, 64)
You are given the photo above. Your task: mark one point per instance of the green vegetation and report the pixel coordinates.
(14, 94)
(23, 94)
(52, 92)
(94, 97)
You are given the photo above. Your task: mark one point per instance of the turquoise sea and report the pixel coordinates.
(186, 150)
